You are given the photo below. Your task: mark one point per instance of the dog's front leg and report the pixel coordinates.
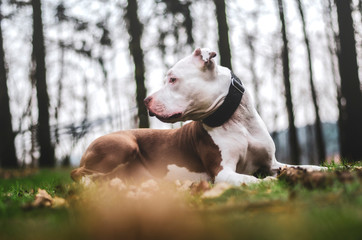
(228, 175)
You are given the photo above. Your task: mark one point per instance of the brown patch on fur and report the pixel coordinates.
(146, 153)
(209, 152)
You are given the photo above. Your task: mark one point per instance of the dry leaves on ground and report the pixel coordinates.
(44, 199)
(17, 173)
(317, 179)
(151, 187)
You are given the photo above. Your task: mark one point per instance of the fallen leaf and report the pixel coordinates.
(217, 190)
(117, 183)
(150, 185)
(138, 194)
(86, 181)
(44, 199)
(145, 191)
(58, 202)
(183, 186)
(200, 187)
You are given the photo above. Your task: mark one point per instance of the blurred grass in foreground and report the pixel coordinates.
(273, 210)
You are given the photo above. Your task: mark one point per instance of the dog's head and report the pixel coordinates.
(193, 87)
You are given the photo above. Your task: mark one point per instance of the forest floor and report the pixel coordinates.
(46, 204)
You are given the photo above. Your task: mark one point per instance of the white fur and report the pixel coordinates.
(205, 54)
(181, 173)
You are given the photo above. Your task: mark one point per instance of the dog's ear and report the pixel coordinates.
(204, 57)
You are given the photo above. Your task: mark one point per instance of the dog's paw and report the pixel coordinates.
(270, 179)
(249, 181)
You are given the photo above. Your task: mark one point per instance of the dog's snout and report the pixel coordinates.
(151, 114)
(147, 100)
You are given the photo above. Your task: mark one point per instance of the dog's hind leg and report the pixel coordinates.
(113, 155)
(132, 171)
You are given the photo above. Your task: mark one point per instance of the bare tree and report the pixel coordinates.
(8, 157)
(360, 8)
(173, 9)
(333, 51)
(135, 29)
(321, 149)
(60, 91)
(293, 138)
(223, 29)
(351, 132)
(250, 39)
(47, 158)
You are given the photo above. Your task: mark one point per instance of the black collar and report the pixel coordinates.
(230, 104)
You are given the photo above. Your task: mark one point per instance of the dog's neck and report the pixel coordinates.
(244, 115)
(230, 104)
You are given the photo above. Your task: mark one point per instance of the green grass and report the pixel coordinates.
(16, 222)
(15, 192)
(273, 210)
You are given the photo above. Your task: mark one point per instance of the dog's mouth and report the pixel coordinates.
(166, 118)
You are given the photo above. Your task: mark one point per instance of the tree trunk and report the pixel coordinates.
(321, 149)
(8, 157)
(39, 75)
(252, 68)
(293, 138)
(223, 29)
(135, 29)
(333, 50)
(351, 132)
(60, 92)
(310, 144)
(360, 9)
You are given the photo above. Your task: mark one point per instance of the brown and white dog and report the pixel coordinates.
(226, 142)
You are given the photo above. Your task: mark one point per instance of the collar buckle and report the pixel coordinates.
(237, 85)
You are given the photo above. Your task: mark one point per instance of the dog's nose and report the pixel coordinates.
(147, 100)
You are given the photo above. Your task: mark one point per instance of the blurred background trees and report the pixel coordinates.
(223, 32)
(38, 78)
(351, 119)
(135, 30)
(7, 147)
(77, 69)
(292, 130)
(320, 148)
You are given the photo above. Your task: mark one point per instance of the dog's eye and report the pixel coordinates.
(172, 80)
